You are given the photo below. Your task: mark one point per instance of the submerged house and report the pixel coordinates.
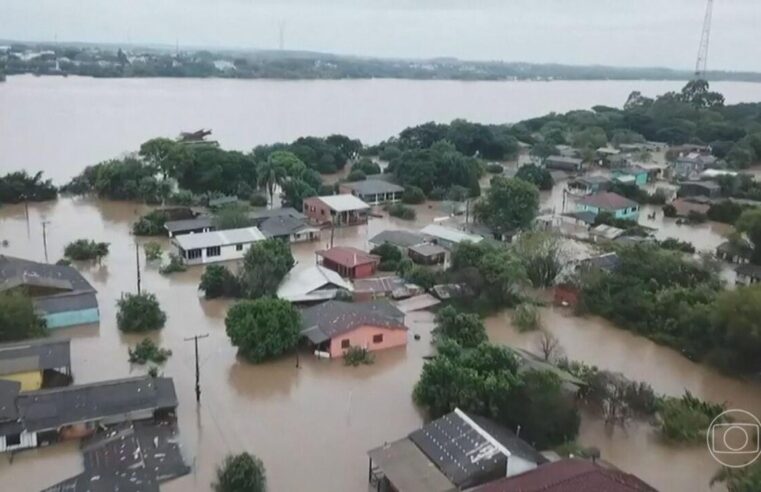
(748, 274)
(689, 166)
(587, 185)
(562, 163)
(448, 237)
(289, 229)
(402, 240)
(709, 189)
(189, 226)
(335, 326)
(348, 262)
(456, 452)
(613, 203)
(337, 210)
(312, 284)
(33, 363)
(632, 175)
(373, 191)
(61, 295)
(42, 417)
(209, 247)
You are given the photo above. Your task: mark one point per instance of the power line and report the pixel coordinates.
(198, 366)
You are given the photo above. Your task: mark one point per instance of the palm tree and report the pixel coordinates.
(270, 174)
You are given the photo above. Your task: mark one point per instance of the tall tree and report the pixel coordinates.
(509, 204)
(264, 266)
(263, 328)
(749, 224)
(18, 318)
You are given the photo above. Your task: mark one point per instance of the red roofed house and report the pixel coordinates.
(569, 475)
(348, 262)
(613, 203)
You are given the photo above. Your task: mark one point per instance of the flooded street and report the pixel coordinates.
(310, 421)
(321, 417)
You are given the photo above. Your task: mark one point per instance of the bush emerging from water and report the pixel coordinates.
(402, 211)
(175, 265)
(147, 351)
(413, 195)
(526, 317)
(139, 313)
(84, 249)
(153, 251)
(356, 356)
(264, 328)
(241, 473)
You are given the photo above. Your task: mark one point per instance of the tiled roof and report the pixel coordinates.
(569, 475)
(348, 256)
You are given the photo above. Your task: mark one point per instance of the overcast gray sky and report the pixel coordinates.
(609, 32)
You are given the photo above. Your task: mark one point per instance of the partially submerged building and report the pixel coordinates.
(61, 295)
(33, 363)
(402, 240)
(312, 284)
(708, 189)
(335, 326)
(563, 163)
(618, 206)
(46, 416)
(455, 452)
(734, 252)
(690, 165)
(448, 237)
(748, 274)
(348, 262)
(189, 226)
(373, 191)
(632, 175)
(210, 247)
(588, 185)
(391, 286)
(336, 210)
(289, 229)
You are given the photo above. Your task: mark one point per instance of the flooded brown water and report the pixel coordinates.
(60, 125)
(322, 417)
(311, 425)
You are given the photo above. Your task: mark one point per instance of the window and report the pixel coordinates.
(345, 343)
(238, 247)
(193, 254)
(378, 338)
(13, 440)
(214, 251)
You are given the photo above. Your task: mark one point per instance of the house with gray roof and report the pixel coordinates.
(311, 285)
(260, 215)
(289, 229)
(189, 226)
(373, 191)
(403, 240)
(455, 452)
(563, 163)
(61, 295)
(336, 326)
(50, 415)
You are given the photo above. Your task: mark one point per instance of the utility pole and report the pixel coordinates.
(198, 367)
(137, 265)
(45, 238)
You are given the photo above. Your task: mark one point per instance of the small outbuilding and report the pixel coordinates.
(428, 254)
(289, 229)
(448, 237)
(311, 285)
(562, 163)
(708, 189)
(748, 274)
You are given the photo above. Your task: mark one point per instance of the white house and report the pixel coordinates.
(448, 237)
(313, 284)
(213, 246)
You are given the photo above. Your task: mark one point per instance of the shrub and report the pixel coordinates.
(18, 318)
(175, 265)
(147, 351)
(696, 217)
(355, 356)
(152, 251)
(669, 210)
(494, 168)
(686, 419)
(241, 473)
(367, 166)
(526, 317)
(437, 194)
(219, 281)
(402, 211)
(151, 224)
(264, 328)
(139, 313)
(327, 189)
(421, 276)
(258, 200)
(387, 252)
(356, 175)
(83, 249)
(465, 329)
(677, 245)
(388, 266)
(413, 195)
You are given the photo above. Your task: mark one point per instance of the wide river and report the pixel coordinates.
(311, 425)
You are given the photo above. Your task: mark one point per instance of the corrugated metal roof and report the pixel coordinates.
(373, 187)
(34, 355)
(449, 234)
(307, 284)
(188, 224)
(219, 238)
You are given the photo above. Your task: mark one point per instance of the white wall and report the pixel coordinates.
(228, 253)
(516, 465)
(27, 441)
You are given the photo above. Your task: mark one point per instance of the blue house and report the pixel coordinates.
(618, 206)
(634, 175)
(61, 295)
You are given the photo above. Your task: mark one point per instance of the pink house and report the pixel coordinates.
(335, 326)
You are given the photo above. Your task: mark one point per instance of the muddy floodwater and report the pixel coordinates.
(313, 424)
(311, 421)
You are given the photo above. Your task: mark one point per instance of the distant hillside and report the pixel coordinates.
(139, 61)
